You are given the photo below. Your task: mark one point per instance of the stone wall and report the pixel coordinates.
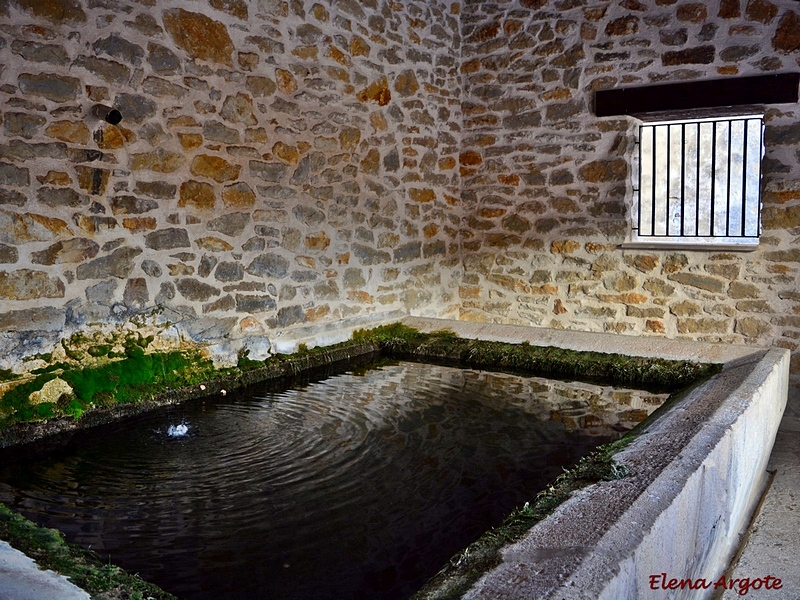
(290, 165)
(280, 164)
(545, 184)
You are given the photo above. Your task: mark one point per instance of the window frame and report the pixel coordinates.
(750, 202)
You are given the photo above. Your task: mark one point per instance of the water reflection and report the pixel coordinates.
(358, 486)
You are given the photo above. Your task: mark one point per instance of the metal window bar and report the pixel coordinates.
(701, 181)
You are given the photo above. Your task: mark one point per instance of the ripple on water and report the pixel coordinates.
(359, 485)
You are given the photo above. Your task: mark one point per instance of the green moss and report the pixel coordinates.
(99, 350)
(19, 397)
(71, 353)
(401, 341)
(138, 375)
(245, 363)
(84, 568)
(135, 377)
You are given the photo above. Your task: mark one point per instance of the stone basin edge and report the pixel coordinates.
(697, 473)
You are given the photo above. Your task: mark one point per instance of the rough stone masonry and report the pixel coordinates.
(546, 191)
(278, 164)
(286, 164)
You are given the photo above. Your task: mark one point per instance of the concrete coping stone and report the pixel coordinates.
(588, 341)
(696, 475)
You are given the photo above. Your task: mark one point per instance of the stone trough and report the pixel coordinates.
(696, 475)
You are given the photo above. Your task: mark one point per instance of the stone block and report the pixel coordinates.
(601, 171)
(219, 132)
(158, 190)
(139, 224)
(248, 303)
(229, 271)
(8, 254)
(408, 251)
(110, 71)
(58, 12)
(369, 256)
(61, 197)
(213, 244)
(703, 282)
(48, 318)
(73, 250)
(195, 290)
(290, 315)
(564, 246)
(27, 284)
(701, 55)
(17, 124)
(197, 194)
(118, 47)
(238, 109)
(317, 242)
(627, 25)
(761, 11)
(131, 205)
(629, 298)
(692, 13)
(729, 9)
(422, 195)
(691, 326)
(214, 167)
(167, 239)
(94, 223)
(376, 92)
(752, 327)
(136, 294)
(269, 265)
(158, 161)
(118, 264)
(235, 8)
(739, 289)
(58, 88)
(201, 37)
(787, 35)
(13, 175)
(163, 60)
(232, 224)
(161, 88)
(268, 171)
(223, 304)
(308, 215)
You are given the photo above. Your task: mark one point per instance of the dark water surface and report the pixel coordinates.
(361, 485)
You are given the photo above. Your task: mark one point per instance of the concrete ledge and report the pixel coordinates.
(22, 579)
(697, 474)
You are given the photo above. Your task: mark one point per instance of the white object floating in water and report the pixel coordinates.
(177, 430)
(202, 387)
(223, 392)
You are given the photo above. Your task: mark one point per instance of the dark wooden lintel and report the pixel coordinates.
(779, 88)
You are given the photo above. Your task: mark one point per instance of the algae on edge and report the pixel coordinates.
(102, 580)
(104, 370)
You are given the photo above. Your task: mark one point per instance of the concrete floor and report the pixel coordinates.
(21, 579)
(773, 546)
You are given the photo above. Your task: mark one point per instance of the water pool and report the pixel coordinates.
(359, 485)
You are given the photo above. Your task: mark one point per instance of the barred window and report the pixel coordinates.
(698, 181)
